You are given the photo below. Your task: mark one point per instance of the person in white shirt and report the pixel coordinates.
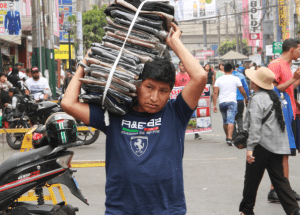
(38, 86)
(227, 85)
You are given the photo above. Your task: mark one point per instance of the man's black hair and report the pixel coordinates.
(160, 70)
(254, 64)
(2, 73)
(12, 90)
(179, 62)
(289, 43)
(228, 67)
(237, 66)
(15, 71)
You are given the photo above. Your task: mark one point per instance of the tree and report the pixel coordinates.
(93, 22)
(227, 46)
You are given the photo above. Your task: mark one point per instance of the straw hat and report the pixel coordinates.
(263, 77)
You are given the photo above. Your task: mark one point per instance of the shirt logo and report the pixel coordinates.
(139, 145)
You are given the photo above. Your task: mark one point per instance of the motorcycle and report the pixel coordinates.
(35, 170)
(30, 112)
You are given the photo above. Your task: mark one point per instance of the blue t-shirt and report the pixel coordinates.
(288, 116)
(144, 159)
(239, 96)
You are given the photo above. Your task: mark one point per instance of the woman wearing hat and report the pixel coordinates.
(267, 143)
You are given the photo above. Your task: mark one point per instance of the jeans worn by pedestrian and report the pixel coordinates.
(228, 111)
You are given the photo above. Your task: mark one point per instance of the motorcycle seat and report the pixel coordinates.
(22, 158)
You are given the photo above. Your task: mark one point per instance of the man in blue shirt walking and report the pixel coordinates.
(240, 99)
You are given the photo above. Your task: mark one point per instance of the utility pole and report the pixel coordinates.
(241, 34)
(236, 28)
(205, 33)
(79, 29)
(226, 11)
(219, 33)
(100, 3)
(291, 19)
(275, 10)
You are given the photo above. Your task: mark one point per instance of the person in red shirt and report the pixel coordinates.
(285, 82)
(182, 78)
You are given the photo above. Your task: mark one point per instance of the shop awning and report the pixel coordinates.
(15, 39)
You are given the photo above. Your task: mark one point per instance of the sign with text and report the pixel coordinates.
(10, 18)
(255, 16)
(255, 36)
(277, 47)
(65, 11)
(201, 119)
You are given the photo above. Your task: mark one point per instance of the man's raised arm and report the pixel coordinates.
(70, 103)
(198, 77)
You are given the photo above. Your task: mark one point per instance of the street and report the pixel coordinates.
(213, 176)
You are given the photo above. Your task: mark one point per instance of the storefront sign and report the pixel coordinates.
(10, 18)
(255, 16)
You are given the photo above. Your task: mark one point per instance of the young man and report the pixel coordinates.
(227, 85)
(144, 148)
(240, 99)
(284, 82)
(38, 86)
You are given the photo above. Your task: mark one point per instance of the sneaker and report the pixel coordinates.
(197, 136)
(229, 142)
(297, 196)
(272, 196)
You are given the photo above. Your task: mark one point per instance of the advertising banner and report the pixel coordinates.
(193, 9)
(65, 11)
(63, 52)
(10, 18)
(201, 119)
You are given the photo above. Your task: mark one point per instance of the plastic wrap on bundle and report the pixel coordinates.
(115, 52)
(98, 89)
(126, 28)
(161, 34)
(99, 75)
(151, 52)
(153, 17)
(112, 54)
(110, 103)
(153, 6)
(134, 70)
(144, 59)
(139, 20)
(159, 46)
(101, 83)
(165, 16)
(114, 84)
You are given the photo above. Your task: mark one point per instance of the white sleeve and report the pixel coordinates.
(14, 102)
(238, 82)
(217, 83)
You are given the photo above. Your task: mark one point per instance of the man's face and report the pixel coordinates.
(10, 94)
(296, 52)
(153, 95)
(35, 75)
(11, 6)
(181, 67)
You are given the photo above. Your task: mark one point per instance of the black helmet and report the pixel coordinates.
(61, 129)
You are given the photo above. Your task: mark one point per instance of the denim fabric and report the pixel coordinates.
(228, 111)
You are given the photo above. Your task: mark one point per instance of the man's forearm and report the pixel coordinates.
(284, 86)
(215, 96)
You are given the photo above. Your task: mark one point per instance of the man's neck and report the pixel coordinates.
(228, 73)
(183, 73)
(286, 57)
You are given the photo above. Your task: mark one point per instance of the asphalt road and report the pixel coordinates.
(213, 176)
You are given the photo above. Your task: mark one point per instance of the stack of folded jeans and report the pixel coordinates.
(145, 43)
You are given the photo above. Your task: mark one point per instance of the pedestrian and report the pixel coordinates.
(267, 144)
(210, 74)
(28, 73)
(144, 148)
(4, 83)
(182, 78)
(257, 67)
(67, 80)
(227, 85)
(220, 72)
(62, 77)
(284, 80)
(253, 65)
(240, 99)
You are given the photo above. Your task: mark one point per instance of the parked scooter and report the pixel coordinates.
(39, 168)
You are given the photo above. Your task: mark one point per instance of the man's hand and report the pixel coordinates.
(215, 109)
(297, 74)
(250, 158)
(175, 35)
(6, 32)
(246, 102)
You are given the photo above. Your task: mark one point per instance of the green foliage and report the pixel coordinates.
(93, 22)
(227, 46)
